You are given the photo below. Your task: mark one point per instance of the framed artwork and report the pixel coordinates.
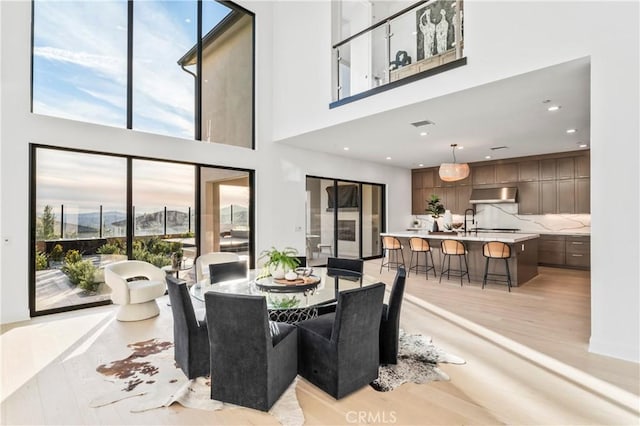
(435, 27)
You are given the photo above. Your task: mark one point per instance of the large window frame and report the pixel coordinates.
(198, 75)
(129, 212)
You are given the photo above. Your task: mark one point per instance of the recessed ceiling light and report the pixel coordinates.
(346, 148)
(553, 108)
(571, 131)
(582, 145)
(460, 147)
(423, 133)
(388, 158)
(420, 165)
(414, 33)
(487, 157)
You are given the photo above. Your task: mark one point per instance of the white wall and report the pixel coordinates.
(280, 169)
(504, 39)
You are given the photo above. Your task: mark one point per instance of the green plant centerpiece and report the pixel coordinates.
(279, 262)
(435, 209)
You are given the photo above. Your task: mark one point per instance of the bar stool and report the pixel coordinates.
(454, 248)
(496, 250)
(391, 246)
(420, 245)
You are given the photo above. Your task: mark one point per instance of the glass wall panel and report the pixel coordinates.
(164, 92)
(80, 225)
(347, 201)
(227, 75)
(163, 198)
(371, 220)
(320, 221)
(80, 60)
(225, 201)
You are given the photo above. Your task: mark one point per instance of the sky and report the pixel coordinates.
(80, 62)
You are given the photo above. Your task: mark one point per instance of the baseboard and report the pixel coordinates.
(614, 349)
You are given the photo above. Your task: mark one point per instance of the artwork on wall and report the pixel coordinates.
(436, 27)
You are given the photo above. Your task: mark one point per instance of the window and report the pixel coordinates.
(82, 220)
(83, 70)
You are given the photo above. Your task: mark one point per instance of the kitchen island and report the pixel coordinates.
(524, 253)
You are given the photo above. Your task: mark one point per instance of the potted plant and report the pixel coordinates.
(279, 262)
(435, 209)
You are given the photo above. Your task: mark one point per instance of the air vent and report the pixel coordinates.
(422, 123)
(495, 148)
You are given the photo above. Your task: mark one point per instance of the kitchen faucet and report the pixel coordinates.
(473, 219)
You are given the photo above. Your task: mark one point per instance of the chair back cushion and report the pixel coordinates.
(496, 250)
(226, 271)
(203, 262)
(390, 243)
(419, 244)
(355, 265)
(357, 319)
(184, 317)
(396, 295)
(452, 247)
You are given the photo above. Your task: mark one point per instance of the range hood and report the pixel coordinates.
(493, 195)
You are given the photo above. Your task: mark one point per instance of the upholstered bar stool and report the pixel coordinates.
(458, 249)
(390, 248)
(496, 250)
(420, 245)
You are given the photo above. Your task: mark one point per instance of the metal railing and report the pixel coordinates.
(423, 36)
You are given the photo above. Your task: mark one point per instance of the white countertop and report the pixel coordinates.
(504, 237)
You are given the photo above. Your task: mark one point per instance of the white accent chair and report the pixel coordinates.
(203, 262)
(135, 295)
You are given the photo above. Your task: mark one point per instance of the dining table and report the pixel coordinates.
(290, 301)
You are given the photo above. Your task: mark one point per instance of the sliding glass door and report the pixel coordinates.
(343, 219)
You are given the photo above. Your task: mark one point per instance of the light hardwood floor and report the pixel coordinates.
(48, 373)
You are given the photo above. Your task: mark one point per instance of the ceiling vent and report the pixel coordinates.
(495, 148)
(422, 123)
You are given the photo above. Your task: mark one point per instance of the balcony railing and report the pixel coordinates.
(416, 41)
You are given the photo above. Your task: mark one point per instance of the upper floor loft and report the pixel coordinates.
(388, 44)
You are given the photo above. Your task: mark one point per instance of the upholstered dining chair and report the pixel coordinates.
(354, 265)
(390, 323)
(203, 262)
(190, 337)
(339, 352)
(253, 361)
(225, 271)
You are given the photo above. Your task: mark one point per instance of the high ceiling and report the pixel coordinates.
(510, 112)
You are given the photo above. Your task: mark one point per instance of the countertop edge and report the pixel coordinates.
(484, 237)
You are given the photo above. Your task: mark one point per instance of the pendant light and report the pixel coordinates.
(451, 172)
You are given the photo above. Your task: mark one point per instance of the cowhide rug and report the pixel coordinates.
(418, 362)
(151, 374)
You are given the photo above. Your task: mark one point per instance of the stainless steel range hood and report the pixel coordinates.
(493, 195)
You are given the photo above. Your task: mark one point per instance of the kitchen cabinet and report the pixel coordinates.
(484, 175)
(578, 251)
(583, 166)
(507, 173)
(548, 197)
(449, 200)
(548, 169)
(528, 171)
(528, 198)
(583, 195)
(428, 178)
(416, 180)
(439, 183)
(417, 201)
(463, 195)
(551, 250)
(566, 196)
(564, 168)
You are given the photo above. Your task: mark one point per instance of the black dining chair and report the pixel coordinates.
(190, 336)
(302, 261)
(253, 361)
(390, 322)
(226, 271)
(354, 265)
(339, 352)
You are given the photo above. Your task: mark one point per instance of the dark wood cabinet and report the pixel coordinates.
(484, 174)
(583, 195)
(583, 166)
(428, 177)
(463, 195)
(548, 197)
(551, 250)
(566, 196)
(416, 180)
(548, 169)
(506, 173)
(528, 198)
(417, 201)
(565, 168)
(578, 251)
(528, 171)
